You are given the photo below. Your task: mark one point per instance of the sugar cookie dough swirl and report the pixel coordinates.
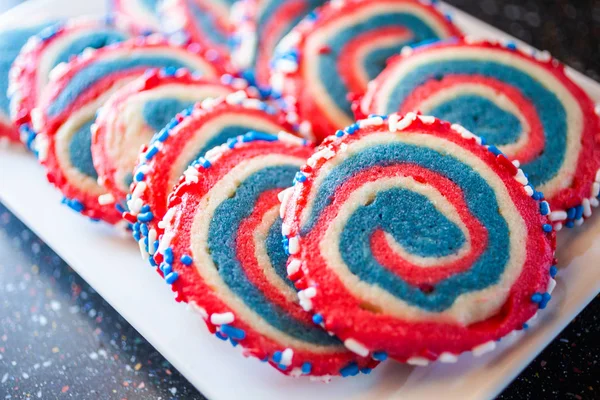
(523, 104)
(339, 48)
(55, 45)
(132, 116)
(222, 252)
(409, 238)
(187, 137)
(77, 90)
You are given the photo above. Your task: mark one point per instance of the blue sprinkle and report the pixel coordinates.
(252, 135)
(493, 149)
(235, 333)
(306, 368)
(282, 367)
(578, 212)
(277, 356)
(544, 208)
(448, 17)
(300, 177)
(265, 359)
(220, 336)
(169, 255)
(145, 208)
(339, 133)
(231, 142)
(145, 217)
(569, 224)
(155, 245)
(545, 299)
(172, 124)
(547, 228)
(136, 236)
(144, 229)
(74, 204)
(171, 278)
(536, 297)
(151, 152)
(139, 176)
(234, 342)
(186, 260)
(49, 32)
(483, 141)
(553, 271)
(204, 162)
(119, 208)
(525, 326)
(286, 245)
(511, 46)
(169, 71)
(163, 135)
(317, 318)
(350, 370)
(571, 213)
(380, 355)
(366, 370)
(152, 262)
(166, 268)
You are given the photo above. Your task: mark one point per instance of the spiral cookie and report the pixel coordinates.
(56, 44)
(143, 14)
(11, 42)
(136, 112)
(202, 21)
(224, 255)
(409, 238)
(523, 104)
(342, 46)
(68, 107)
(259, 25)
(187, 137)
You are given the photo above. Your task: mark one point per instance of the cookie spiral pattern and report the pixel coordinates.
(69, 104)
(222, 251)
(408, 237)
(523, 104)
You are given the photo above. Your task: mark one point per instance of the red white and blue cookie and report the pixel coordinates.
(54, 45)
(222, 252)
(409, 238)
(186, 138)
(132, 116)
(338, 49)
(142, 14)
(11, 42)
(522, 103)
(258, 26)
(202, 21)
(68, 106)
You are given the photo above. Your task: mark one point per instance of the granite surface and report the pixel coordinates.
(59, 339)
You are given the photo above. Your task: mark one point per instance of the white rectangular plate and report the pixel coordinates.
(112, 265)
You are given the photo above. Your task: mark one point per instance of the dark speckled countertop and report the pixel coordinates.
(60, 339)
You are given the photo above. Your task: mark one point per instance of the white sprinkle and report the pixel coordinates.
(165, 242)
(393, 122)
(594, 202)
(449, 358)
(356, 347)
(222, 319)
(521, 178)
(579, 222)
(558, 226)
(43, 320)
(25, 375)
(293, 266)
(406, 51)
(284, 197)
(427, 119)
(528, 190)
(286, 66)
(208, 103)
(296, 372)
(173, 391)
(94, 356)
(516, 163)
(305, 129)
(597, 179)
(310, 292)
(304, 297)
(587, 208)
(418, 361)
(4, 378)
(286, 229)
(143, 251)
(294, 245)
(200, 310)
(236, 97)
(191, 175)
(152, 235)
(373, 121)
(286, 357)
(325, 153)
(139, 189)
(105, 199)
(287, 137)
(551, 286)
(484, 348)
(406, 121)
(557, 216)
